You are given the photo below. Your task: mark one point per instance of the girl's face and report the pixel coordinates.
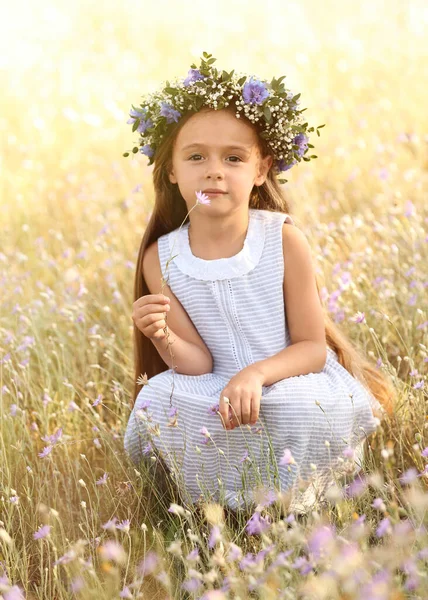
(214, 149)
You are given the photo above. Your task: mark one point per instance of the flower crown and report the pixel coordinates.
(270, 104)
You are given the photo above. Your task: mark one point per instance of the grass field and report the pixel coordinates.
(77, 520)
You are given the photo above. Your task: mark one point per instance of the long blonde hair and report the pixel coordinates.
(169, 212)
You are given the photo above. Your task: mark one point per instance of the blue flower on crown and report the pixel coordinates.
(302, 141)
(193, 75)
(147, 150)
(169, 112)
(254, 92)
(139, 114)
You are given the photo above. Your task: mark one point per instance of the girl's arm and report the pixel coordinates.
(191, 355)
(307, 352)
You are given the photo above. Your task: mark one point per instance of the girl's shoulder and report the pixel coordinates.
(271, 215)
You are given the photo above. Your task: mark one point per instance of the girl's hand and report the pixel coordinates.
(244, 391)
(148, 314)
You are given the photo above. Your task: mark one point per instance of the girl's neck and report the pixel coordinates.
(208, 243)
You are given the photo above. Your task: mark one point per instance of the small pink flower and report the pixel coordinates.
(202, 198)
(287, 458)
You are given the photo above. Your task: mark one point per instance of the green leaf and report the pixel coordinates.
(125, 154)
(281, 78)
(319, 126)
(310, 146)
(242, 80)
(282, 180)
(274, 101)
(313, 156)
(267, 114)
(193, 66)
(171, 90)
(135, 149)
(211, 61)
(136, 125)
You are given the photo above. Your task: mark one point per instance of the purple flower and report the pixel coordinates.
(42, 532)
(425, 452)
(287, 458)
(409, 475)
(126, 593)
(169, 112)
(172, 411)
(144, 125)
(98, 400)
(301, 141)
(139, 114)
(258, 524)
(102, 480)
(321, 540)
(254, 92)
(215, 536)
(384, 527)
(213, 409)
(45, 451)
(193, 75)
(147, 150)
(135, 114)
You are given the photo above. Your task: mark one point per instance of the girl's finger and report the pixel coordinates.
(255, 408)
(246, 407)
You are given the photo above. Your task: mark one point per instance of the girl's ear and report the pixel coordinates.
(263, 169)
(172, 177)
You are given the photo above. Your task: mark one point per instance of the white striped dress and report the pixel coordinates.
(237, 306)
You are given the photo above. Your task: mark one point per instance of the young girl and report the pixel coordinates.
(248, 383)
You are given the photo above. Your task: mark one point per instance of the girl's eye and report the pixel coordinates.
(193, 156)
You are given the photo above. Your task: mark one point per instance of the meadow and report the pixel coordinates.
(77, 519)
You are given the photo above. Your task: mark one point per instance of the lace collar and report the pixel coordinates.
(221, 268)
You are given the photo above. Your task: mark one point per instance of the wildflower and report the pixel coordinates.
(102, 480)
(82, 483)
(258, 524)
(287, 458)
(125, 593)
(193, 556)
(169, 113)
(98, 400)
(202, 198)
(348, 452)
(359, 317)
(148, 564)
(45, 451)
(254, 92)
(147, 150)
(193, 75)
(213, 409)
(409, 475)
(206, 434)
(42, 532)
(384, 527)
(124, 525)
(114, 551)
(215, 536)
(379, 504)
(111, 524)
(321, 540)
